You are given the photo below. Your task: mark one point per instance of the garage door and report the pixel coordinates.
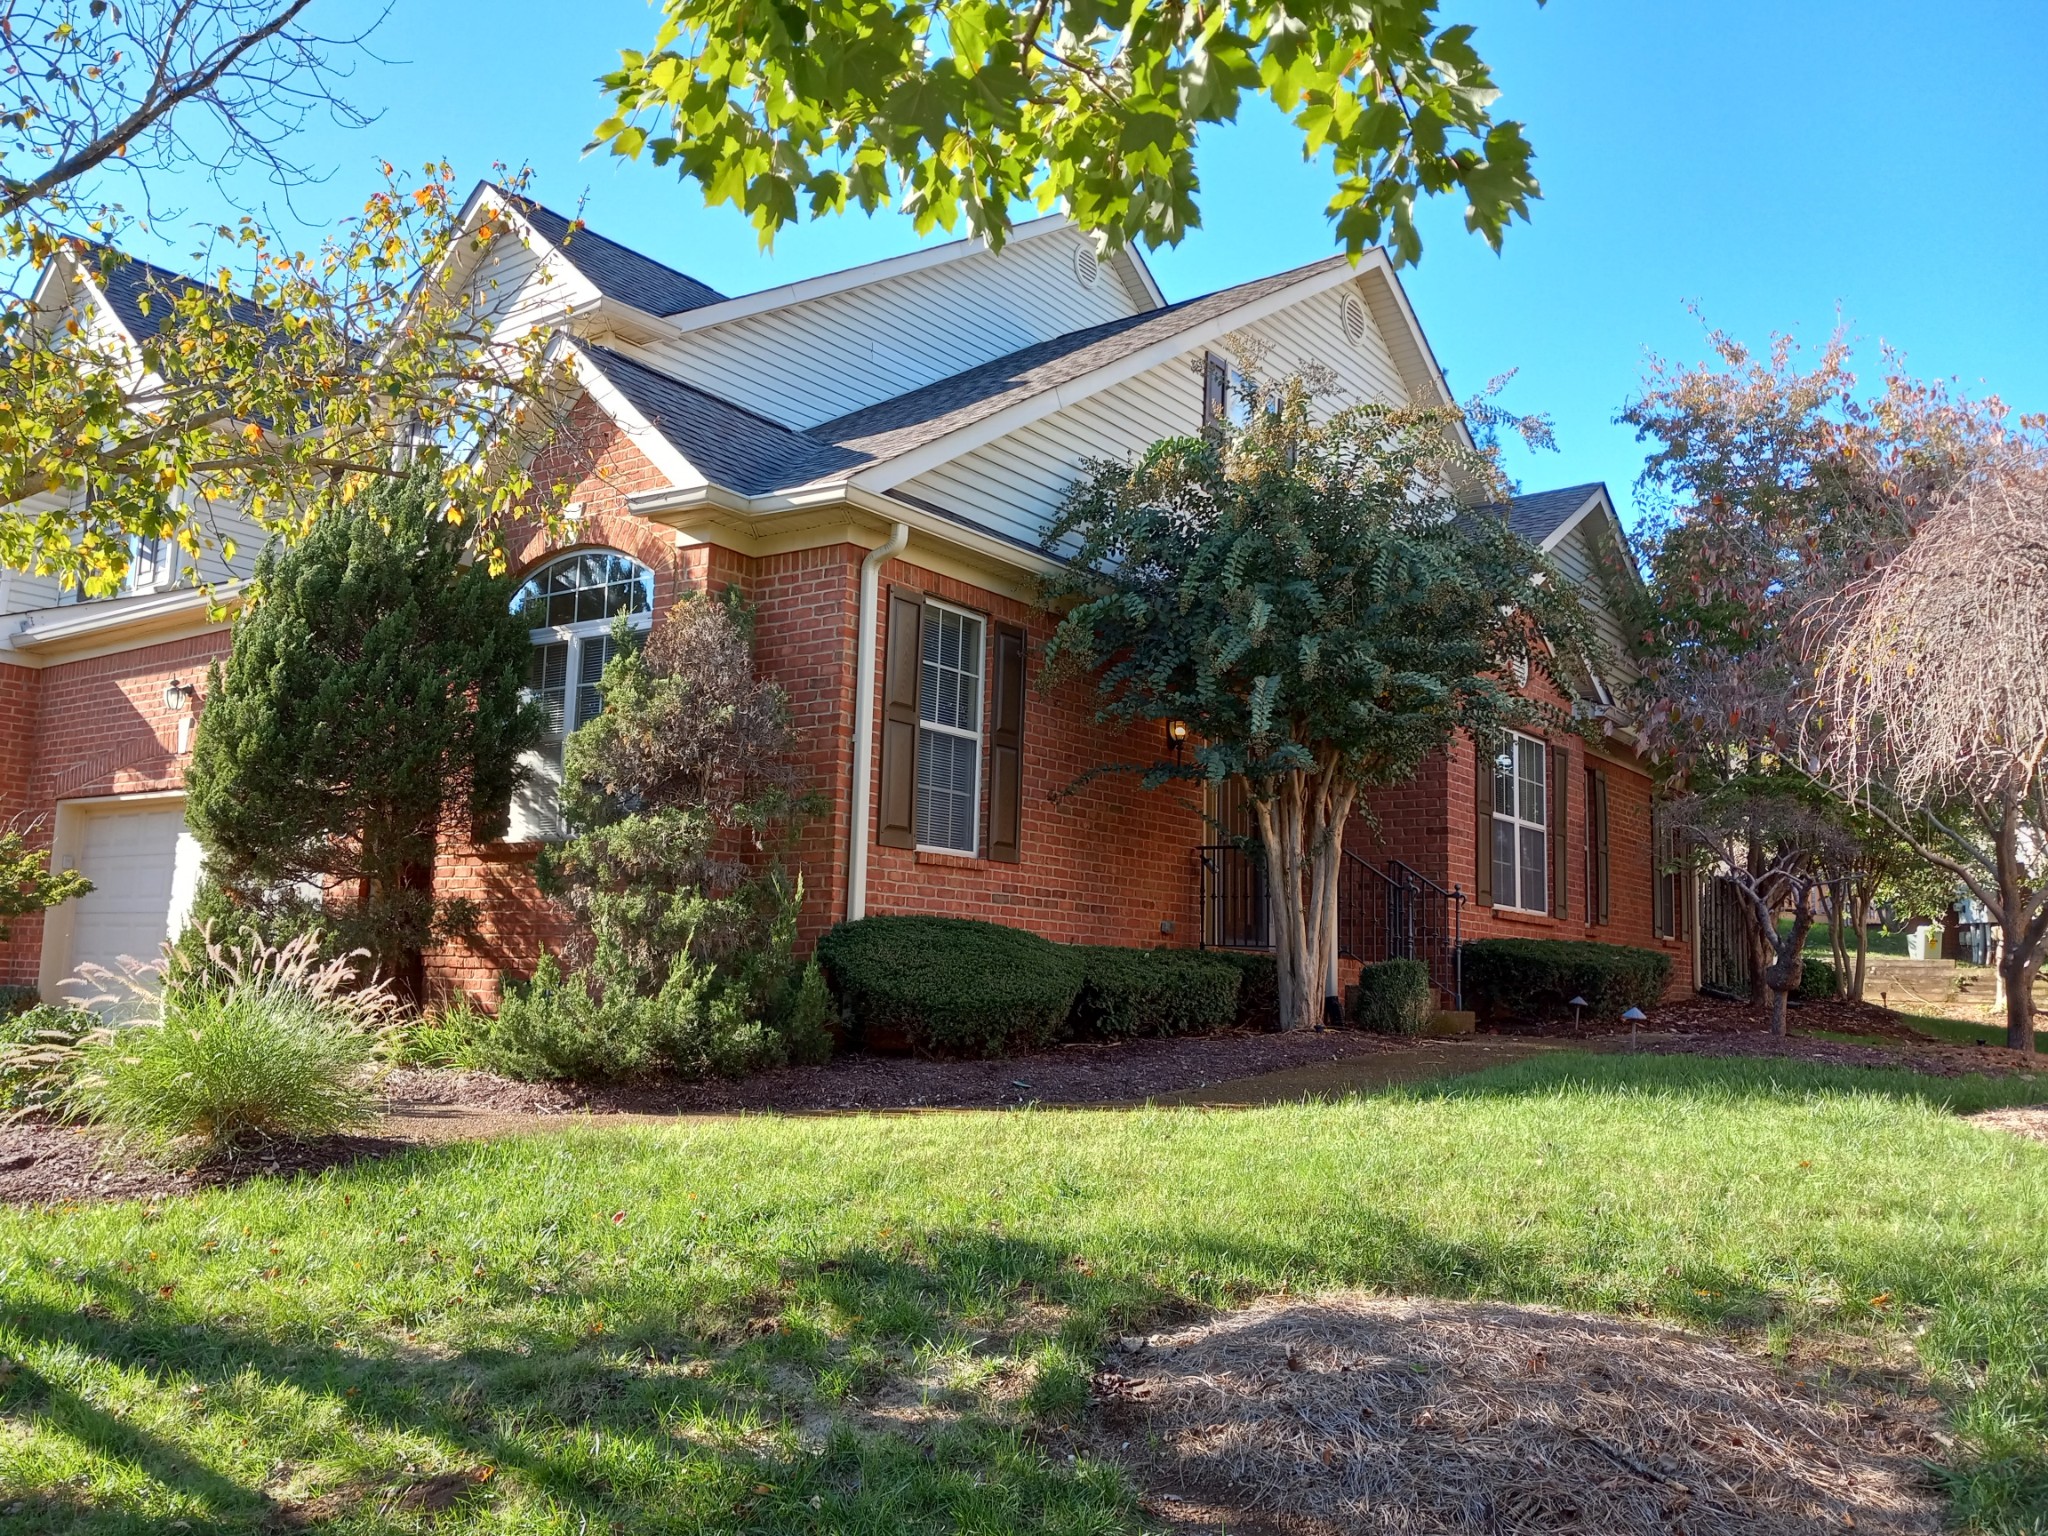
(143, 866)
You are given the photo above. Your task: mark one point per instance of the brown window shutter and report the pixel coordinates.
(1482, 774)
(1215, 395)
(1560, 818)
(1006, 747)
(903, 665)
(1602, 863)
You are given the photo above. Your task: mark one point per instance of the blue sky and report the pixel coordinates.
(1777, 164)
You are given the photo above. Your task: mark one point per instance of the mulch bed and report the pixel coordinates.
(1120, 1073)
(45, 1164)
(1355, 1413)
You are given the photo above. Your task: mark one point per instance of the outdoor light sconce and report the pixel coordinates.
(181, 699)
(1176, 735)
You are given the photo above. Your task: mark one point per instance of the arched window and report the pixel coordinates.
(569, 605)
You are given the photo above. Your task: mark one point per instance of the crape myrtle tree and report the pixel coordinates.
(1932, 707)
(965, 109)
(1323, 606)
(372, 705)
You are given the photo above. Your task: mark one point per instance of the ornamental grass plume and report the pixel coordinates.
(257, 1044)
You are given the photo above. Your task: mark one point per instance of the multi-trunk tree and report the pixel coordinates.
(1323, 607)
(1845, 603)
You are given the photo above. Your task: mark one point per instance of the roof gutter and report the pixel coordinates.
(864, 717)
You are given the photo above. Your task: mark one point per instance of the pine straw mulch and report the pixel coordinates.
(2030, 1121)
(1353, 1413)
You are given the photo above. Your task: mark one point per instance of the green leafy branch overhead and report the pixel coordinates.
(959, 109)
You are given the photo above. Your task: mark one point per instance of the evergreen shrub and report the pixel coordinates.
(950, 985)
(1538, 978)
(1392, 998)
(1131, 992)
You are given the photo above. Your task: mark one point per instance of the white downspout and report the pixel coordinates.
(864, 717)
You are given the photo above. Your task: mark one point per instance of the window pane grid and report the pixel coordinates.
(949, 738)
(1521, 813)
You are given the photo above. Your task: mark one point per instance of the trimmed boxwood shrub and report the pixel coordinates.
(1534, 978)
(1392, 998)
(950, 985)
(1258, 992)
(1130, 992)
(1816, 981)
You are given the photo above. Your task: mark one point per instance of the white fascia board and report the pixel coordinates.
(928, 456)
(826, 284)
(1601, 502)
(643, 434)
(1131, 266)
(46, 635)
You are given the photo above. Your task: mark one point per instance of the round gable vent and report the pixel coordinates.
(1086, 268)
(1352, 318)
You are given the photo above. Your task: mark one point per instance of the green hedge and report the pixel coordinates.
(1534, 978)
(1258, 992)
(950, 985)
(1130, 992)
(1816, 981)
(1392, 998)
(15, 1000)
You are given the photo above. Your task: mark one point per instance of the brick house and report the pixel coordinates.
(870, 457)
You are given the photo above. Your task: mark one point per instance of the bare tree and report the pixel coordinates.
(1932, 706)
(98, 98)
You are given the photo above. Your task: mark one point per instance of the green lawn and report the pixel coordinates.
(690, 1329)
(1962, 1032)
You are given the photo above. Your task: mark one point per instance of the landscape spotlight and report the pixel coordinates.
(1576, 1004)
(1634, 1016)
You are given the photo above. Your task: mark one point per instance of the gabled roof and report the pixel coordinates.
(726, 443)
(1542, 514)
(616, 272)
(895, 426)
(141, 294)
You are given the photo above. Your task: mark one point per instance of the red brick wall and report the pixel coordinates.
(1111, 863)
(96, 727)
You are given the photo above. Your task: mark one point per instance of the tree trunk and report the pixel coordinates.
(1302, 827)
(2016, 971)
(1860, 917)
(1837, 899)
(1788, 964)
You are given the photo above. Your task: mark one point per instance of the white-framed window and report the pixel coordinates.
(569, 605)
(949, 730)
(1521, 830)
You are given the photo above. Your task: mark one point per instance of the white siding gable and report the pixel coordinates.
(1588, 558)
(1014, 485)
(813, 360)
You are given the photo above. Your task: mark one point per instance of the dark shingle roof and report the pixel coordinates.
(730, 444)
(896, 426)
(1537, 516)
(129, 282)
(619, 273)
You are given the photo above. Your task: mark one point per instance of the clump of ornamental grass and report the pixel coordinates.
(255, 1044)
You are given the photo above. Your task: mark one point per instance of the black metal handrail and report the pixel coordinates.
(1382, 914)
(1237, 906)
